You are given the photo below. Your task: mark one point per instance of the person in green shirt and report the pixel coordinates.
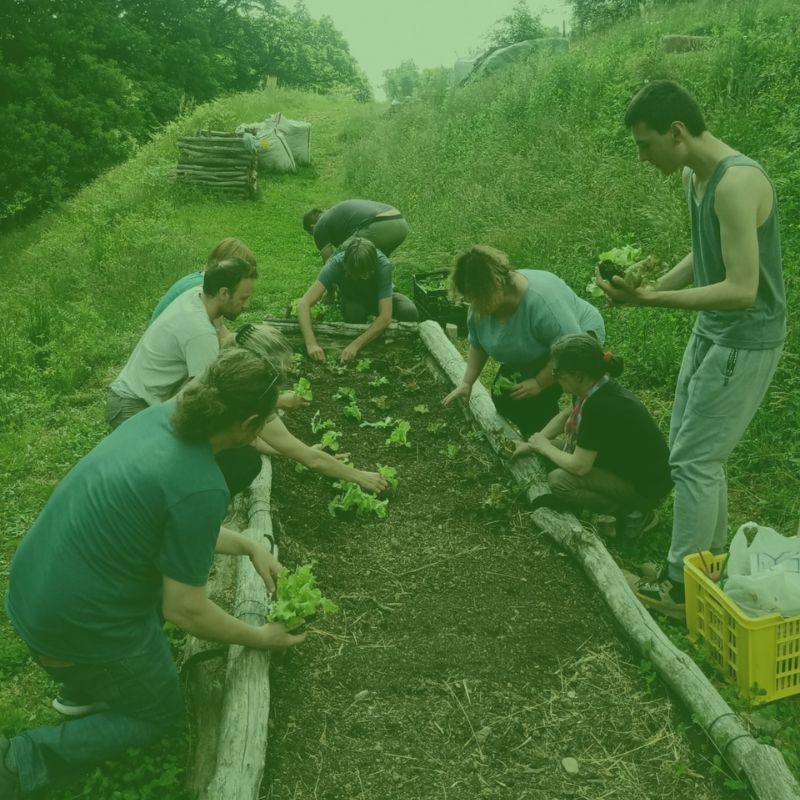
(126, 538)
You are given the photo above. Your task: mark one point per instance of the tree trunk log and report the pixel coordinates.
(763, 766)
(342, 330)
(245, 711)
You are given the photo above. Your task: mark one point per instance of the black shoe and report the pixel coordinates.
(9, 780)
(667, 597)
(633, 525)
(74, 708)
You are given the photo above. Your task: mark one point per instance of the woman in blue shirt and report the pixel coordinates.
(515, 316)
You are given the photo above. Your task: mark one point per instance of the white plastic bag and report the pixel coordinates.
(764, 577)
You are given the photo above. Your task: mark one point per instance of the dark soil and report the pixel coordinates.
(468, 657)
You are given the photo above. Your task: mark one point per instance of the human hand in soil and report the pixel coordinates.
(620, 293)
(372, 481)
(275, 636)
(315, 352)
(266, 565)
(539, 442)
(464, 390)
(526, 388)
(349, 353)
(290, 401)
(521, 448)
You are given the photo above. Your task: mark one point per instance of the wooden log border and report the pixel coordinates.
(241, 752)
(761, 765)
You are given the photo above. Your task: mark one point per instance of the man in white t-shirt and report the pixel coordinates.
(182, 341)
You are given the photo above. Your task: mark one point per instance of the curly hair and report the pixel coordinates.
(237, 385)
(480, 274)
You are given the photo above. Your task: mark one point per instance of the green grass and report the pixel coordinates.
(534, 162)
(79, 287)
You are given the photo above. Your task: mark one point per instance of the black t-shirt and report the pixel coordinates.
(616, 425)
(344, 219)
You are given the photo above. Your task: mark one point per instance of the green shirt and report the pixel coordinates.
(86, 582)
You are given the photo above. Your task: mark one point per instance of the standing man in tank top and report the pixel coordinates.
(733, 278)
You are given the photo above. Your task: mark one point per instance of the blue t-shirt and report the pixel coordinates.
(377, 287)
(86, 582)
(547, 310)
(176, 290)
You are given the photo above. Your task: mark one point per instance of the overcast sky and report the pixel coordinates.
(434, 33)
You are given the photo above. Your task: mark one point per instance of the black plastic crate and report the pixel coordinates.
(432, 296)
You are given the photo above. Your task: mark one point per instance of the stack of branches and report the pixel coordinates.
(225, 162)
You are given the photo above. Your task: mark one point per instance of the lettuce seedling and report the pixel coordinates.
(318, 424)
(303, 389)
(345, 393)
(386, 422)
(381, 402)
(298, 598)
(422, 409)
(354, 500)
(363, 365)
(352, 411)
(503, 384)
(400, 434)
(376, 383)
(330, 441)
(389, 474)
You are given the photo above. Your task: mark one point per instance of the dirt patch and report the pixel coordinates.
(469, 657)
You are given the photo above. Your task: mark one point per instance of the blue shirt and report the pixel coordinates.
(86, 582)
(176, 290)
(547, 310)
(377, 287)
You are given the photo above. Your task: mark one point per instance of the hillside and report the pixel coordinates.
(534, 161)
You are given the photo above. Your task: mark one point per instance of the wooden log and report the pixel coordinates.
(245, 711)
(763, 766)
(498, 432)
(220, 183)
(342, 330)
(202, 671)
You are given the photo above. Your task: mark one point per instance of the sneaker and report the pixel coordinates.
(667, 597)
(9, 780)
(73, 708)
(633, 525)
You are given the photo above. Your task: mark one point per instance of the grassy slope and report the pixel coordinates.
(81, 284)
(537, 163)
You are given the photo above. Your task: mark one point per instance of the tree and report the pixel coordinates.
(518, 26)
(400, 83)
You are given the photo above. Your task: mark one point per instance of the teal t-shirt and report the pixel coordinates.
(176, 290)
(377, 287)
(86, 582)
(547, 310)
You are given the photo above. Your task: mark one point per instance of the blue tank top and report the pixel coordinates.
(763, 325)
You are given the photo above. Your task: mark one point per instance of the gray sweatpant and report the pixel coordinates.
(718, 392)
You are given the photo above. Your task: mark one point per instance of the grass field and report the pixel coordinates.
(535, 163)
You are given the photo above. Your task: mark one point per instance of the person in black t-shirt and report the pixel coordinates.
(381, 223)
(609, 453)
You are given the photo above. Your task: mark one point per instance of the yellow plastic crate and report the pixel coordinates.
(760, 655)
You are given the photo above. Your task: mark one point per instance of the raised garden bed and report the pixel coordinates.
(469, 658)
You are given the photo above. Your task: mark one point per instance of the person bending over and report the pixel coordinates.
(125, 538)
(609, 455)
(380, 223)
(515, 315)
(364, 277)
